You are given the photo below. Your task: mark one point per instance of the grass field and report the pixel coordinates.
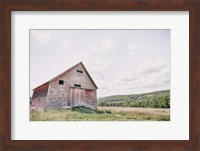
(103, 114)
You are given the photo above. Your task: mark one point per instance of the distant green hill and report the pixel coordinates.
(157, 99)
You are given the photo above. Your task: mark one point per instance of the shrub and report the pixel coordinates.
(109, 112)
(99, 112)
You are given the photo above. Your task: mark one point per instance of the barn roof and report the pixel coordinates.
(68, 70)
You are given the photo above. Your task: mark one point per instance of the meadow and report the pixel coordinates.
(102, 114)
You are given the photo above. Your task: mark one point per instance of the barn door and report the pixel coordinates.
(76, 96)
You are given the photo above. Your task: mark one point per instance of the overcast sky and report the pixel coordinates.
(119, 61)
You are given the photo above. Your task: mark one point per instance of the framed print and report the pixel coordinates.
(106, 75)
(99, 84)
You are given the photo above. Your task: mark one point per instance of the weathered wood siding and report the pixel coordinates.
(59, 95)
(83, 97)
(39, 98)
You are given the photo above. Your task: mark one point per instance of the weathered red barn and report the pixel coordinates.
(72, 88)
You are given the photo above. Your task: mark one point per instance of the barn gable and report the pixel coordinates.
(77, 74)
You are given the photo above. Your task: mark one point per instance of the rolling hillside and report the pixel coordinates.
(157, 99)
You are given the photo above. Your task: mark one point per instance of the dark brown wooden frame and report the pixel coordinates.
(193, 6)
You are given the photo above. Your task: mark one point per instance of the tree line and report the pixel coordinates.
(154, 102)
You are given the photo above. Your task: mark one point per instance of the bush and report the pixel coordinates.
(109, 112)
(99, 112)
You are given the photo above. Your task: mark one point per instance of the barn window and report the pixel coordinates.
(77, 85)
(79, 71)
(61, 82)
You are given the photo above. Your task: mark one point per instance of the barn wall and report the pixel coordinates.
(59, 95)
(39, 98)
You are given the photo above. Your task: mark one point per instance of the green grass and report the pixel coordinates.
(102, 114)
(82, 109)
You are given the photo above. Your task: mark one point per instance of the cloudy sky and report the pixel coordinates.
(119, 61)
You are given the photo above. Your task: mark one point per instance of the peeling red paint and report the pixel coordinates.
(42, 86)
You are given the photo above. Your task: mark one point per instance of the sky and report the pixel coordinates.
(119, 61)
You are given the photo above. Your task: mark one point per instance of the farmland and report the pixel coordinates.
(103, 114)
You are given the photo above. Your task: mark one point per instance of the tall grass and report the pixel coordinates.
(102, 114)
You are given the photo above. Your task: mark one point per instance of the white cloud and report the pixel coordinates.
(96, 64)
(154, 75)
(135, 45)
(133, 48)
(104, 46)
(150, 67)
(42, 36)
(149, 77)
(127, 76)
(97, 68)
(86, 54)
(66, 43)
(132, 53)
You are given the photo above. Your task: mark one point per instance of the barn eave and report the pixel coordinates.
(44, 85)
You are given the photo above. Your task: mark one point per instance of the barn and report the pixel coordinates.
(74, 87)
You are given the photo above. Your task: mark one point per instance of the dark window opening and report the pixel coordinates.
(77, 85)
(79, 71)
(61, 82)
